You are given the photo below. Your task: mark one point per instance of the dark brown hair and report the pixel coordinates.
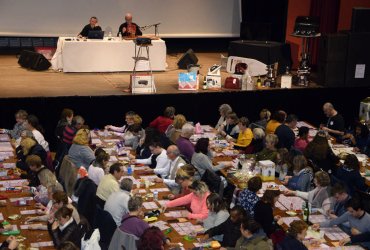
(63, 212)
(34, 160)
(216, 202)
(352, 162)
(270, 195)
(255, 184)
(60, 196)
(296, 227)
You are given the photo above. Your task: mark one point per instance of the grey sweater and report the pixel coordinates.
(202, 162)
(362, 224)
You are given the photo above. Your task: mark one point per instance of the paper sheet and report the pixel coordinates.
(162, 225)
(288, 220)
(150, 205)
(334, 233)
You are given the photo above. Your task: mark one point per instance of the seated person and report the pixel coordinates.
(80, 152)
(32, 124)
(92, 26)
(129, 119)
(252, 237)
(184, 178)
(162, 122)
(230, 129)
(349, 174)
(129, 28)
(27, 147)
(257, 143)
(197, 200)
(303, 175)
(248, 197)
(296, 233)
(162, 167)
(277, 119)
(263, 211)
(265, 115)
(109, 184)
(224, 109)
(302, 141)
(270, 151)
(245, 135)
(185, 146)
(319, 197)
(173, 131)
(97, 168)
(285, 132)
(64, 228)
(217, 213)
(356, 216)
(132, 223)
(20, 118)
(39, 174)
(359, 138)
(230, 229)
(341, 197)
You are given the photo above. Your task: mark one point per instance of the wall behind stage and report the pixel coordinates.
(178, 18)
(345, 12)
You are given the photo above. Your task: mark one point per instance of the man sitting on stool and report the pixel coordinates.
(92, 26)
(129, 28)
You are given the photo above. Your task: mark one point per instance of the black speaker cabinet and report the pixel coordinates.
(331, 74)
(188, 58)
(360, 19)
(333, 47)
(33, 60)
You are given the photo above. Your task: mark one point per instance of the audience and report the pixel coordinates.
(252, 237)
(116, 203)
(277, 119)
(301, 181)
(335, 124)
(80, 152)
(174, 130)
(70, 130)
(270, 151)
(263, 211)
(32, 124)
(341, 197)
(224, 110)
(129, 119)
(64, 228)
(39, 174)
(297, 232)
(152, 239)
(245, 135)
(161, 123)
(257, 143)
(65, 120)
(184, 178)
(319, 198)
(359, 138)
(201, 160)
(283, 165)
(349, 175)
(248, 197)
(230, 229)
(183, 143)
(302, 141)
(97, 168)
(132, 222)
(285, 132)
(231, 129)
(19, 126)
(265, 115)
(196, 199)
(109, 184)
(27, 147)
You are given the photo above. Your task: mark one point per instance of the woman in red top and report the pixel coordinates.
(161, 123)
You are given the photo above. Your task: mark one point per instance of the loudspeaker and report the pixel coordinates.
(256, 31)
(188, 58)
(333, 47)
(331, 74)
(33, 60)
(360, 19)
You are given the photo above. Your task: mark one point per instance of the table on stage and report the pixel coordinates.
(115, 55)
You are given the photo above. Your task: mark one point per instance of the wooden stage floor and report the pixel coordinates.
(19, 82)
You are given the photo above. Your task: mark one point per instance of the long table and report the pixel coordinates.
(115, 55)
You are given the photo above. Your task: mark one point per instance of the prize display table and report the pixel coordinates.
(106, 55)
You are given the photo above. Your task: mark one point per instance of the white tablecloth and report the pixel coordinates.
(104, 55)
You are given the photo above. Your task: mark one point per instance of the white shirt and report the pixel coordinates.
(116, 205)
(163, 164)
(40, 139)
(95, 174)
(171, 182)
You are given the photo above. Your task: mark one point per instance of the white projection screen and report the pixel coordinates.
(178, 18)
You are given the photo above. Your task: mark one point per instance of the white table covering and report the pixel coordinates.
(104, 55)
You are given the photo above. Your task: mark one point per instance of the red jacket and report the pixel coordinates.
(161, 123)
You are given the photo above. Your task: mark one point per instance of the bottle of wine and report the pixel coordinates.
(306, 213)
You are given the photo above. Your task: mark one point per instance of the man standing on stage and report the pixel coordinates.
(92, 26)
(129, 28)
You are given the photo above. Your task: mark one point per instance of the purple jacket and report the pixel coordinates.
(186, 147)
(133, 225)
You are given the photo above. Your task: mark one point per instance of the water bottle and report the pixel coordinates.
(129, 170)
(155, 195)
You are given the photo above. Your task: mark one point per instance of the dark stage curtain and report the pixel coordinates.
(328, 12)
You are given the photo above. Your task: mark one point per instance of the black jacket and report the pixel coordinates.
(124, 25)
(290, 243)
(263, 214)
(35, 150)
(71, 233)
(230, 230)
(85, 190)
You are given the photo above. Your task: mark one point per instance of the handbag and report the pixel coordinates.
(232, 83)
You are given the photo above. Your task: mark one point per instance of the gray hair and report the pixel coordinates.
(258, 133)
(134, 203)
(225, 108)
(126, 184)
(187, 130)
(78, 120)
(328, 105)
(174, 150)
(55, 187)
(272, 138)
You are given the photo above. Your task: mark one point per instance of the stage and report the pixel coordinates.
(100, 97)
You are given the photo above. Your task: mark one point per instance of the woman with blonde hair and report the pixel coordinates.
(80, 152)
(184, 177)
(270, 151)
(29, 146)
(173, 131)
(265, 116)
(197, 200)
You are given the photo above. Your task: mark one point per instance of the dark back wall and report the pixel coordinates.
(197, 107)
